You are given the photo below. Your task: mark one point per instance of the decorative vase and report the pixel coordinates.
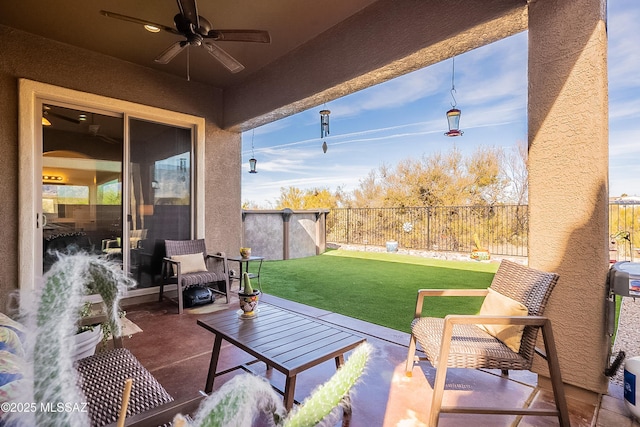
(245, 252)
(86, 343)
(248, 304)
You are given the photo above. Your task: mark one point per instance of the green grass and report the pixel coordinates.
(380, 288)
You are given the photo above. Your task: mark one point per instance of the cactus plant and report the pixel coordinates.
(51, 320)
(246, 280)
(238, 402)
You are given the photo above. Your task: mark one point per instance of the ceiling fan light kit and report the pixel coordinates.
(197, 31)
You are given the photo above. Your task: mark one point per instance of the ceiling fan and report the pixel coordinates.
(198, 32)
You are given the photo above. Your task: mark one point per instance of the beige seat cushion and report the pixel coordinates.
(496, 304)
(190, 263)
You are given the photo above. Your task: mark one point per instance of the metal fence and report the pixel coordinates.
(624, 232)
(503, 230)
(500, 229)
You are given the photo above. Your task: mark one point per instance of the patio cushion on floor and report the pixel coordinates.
(102, 382)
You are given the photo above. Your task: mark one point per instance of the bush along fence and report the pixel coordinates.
(501, 229)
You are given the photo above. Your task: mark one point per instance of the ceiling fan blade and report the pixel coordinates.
(225, 59)
(171, 52)
(256, 36)
(189, 10)
(138, 21)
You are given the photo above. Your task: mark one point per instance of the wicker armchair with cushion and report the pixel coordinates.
(503, 336)
(187, 264)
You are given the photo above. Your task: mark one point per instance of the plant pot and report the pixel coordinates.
(245, 252)
(248, 304)
(86, 342)
(480, 255)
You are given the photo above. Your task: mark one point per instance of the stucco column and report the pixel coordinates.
(568, 173)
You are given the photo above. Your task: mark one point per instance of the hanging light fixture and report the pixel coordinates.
(252, 160)
(324, 127)
(453, 115)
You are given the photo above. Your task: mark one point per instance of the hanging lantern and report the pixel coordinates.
(453, 115)
(252, 160)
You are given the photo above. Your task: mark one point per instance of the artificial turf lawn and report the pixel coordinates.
(380, 288)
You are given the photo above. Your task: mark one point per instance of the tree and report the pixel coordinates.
(516, 171)
(314, 198)
(436, 180)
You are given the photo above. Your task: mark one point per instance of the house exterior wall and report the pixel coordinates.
(568, 178)
(35, 58)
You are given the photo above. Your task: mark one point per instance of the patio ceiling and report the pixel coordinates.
(291, 23)
(323, 50)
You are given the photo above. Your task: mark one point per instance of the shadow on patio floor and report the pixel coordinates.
(177, 352)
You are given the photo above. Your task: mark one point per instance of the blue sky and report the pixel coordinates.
(405, 117)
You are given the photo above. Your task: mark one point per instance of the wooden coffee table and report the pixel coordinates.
(284, 340)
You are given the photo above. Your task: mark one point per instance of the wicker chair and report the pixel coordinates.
(102, 377)
(217, 269)
(457, 342)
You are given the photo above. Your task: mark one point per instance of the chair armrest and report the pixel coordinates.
(163, 414)
(423, 293)
(474, 319)
(219, 258)
(166, 262)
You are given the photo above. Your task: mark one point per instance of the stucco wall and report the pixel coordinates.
(32, 57)
(568, 173)
(302, 235)
(264, 231)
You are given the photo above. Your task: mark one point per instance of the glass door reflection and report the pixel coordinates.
(160, 202)
(81, 182)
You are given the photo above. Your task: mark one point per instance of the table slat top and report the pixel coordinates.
(288, 341)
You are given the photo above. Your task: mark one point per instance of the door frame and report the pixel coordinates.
(31, 97)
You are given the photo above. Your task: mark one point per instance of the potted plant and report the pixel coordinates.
(479, 252)
(51, 316)
(248, 297)
(88, 337)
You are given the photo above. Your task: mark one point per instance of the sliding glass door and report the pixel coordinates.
(160, 197)
(82, 158)
(87, 205)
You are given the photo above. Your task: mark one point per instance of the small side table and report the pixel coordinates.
(245, 262)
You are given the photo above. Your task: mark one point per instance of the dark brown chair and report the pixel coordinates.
(458, 342)
(173, 270)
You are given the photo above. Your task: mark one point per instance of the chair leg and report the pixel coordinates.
(227, 287)
(179, 288)
(408, 371)
(438, 393)
(556, 377)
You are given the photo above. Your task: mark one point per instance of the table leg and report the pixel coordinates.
(213, 365)
(289, 388)
(339, 361)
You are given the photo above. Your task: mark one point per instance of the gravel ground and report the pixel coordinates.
(628, 334)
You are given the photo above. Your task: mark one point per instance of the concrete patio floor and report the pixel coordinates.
(177, 352)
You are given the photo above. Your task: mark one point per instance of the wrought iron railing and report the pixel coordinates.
(500, 229)
(624, 232)
(503, 229)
